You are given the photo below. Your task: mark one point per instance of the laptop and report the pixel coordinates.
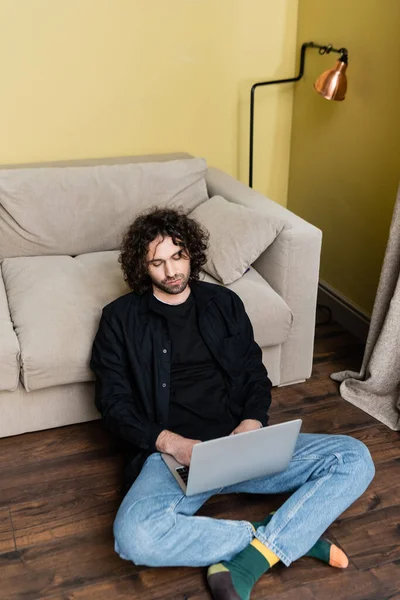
(236, 458)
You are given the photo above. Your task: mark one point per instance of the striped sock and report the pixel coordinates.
(323, 549)
(234, 579)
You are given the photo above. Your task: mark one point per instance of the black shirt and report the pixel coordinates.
(199, 398)
(131, 360)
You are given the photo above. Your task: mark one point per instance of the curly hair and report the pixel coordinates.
(165, 222)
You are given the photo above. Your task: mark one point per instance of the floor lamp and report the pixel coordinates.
(331, 85)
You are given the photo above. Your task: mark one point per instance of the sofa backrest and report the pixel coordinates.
(77, 207)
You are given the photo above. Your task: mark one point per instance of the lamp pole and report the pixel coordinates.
(322, 50)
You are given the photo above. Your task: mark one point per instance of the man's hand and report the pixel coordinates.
(179, 447)
(247, 425)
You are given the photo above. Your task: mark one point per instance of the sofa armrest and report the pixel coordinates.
(9, 345)
(291, 267)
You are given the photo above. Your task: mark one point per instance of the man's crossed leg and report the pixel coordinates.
(156, 526)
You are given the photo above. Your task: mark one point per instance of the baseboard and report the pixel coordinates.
(343, 311)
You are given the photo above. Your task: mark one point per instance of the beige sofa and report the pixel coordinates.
(60, 229)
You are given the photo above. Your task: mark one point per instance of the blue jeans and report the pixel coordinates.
(155, 524)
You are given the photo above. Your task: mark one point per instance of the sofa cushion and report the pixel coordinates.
(75, 210)
(269, 314)
(56, 302)
(9, 347)
(238, 235)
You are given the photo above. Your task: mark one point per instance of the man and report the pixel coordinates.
(176, 363)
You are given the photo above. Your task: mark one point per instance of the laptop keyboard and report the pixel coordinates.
(183, 473)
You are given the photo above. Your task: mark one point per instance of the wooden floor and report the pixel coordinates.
(59, 491)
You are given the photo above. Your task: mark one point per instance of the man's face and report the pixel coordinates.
(168, 266)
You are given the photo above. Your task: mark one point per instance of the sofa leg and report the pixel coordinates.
(291, 383)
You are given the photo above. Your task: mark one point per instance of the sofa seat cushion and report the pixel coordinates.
(9, 347)
(269, 314)
(56, 302)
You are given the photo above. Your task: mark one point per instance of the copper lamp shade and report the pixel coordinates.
(332, 84)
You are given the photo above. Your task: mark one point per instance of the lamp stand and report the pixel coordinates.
(321, 50)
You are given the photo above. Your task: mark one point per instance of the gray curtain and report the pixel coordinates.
(376, 389)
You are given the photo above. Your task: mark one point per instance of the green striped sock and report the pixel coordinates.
(234, 579)
(323, 549)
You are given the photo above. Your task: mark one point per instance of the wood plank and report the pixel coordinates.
(332, 359)
(337, 585)
(371, 539)
(383, 491)
(7, 543)
(62, 515)
(37, 446)
(152, 584)
(18, 581)
(322, 414)
(332, 338)
(389, 579)
(248, 507)
(382, 442)
(314, 393)
(58, 476)
(42, 570)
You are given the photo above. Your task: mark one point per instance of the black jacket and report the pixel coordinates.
(131, 360)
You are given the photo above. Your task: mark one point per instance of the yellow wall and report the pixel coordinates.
(88, 78)
(345, 156)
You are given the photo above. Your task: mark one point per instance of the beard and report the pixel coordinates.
(166, 284)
